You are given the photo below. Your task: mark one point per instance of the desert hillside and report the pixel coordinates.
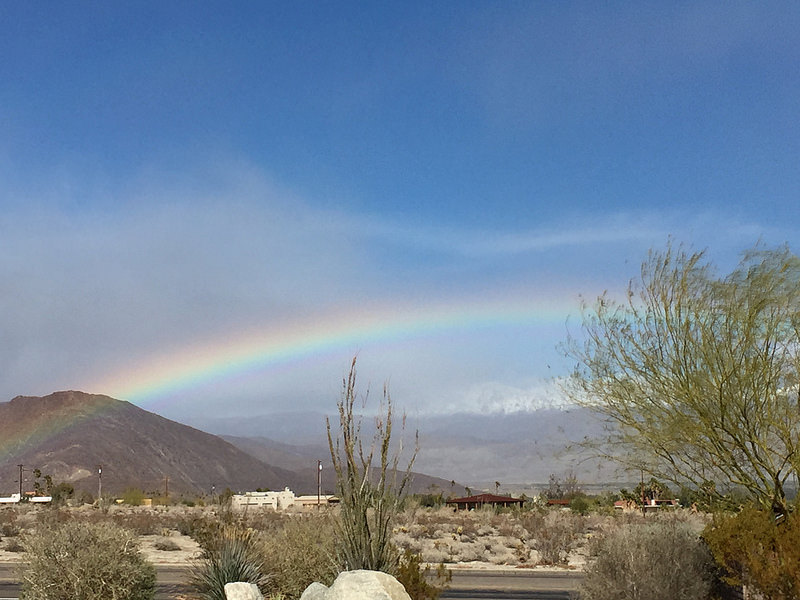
(68, 434)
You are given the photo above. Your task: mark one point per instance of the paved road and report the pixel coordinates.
(171, 582)
(513, 585)
(466, 585)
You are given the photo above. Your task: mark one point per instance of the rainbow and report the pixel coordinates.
(273, 345)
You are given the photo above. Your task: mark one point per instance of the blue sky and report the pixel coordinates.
(179, 174)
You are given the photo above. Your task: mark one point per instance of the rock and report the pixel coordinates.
(358, 585)
(315, 591)
(242, 591)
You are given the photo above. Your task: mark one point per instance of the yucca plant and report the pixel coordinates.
(233, 556)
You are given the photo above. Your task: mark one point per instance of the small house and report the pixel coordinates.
(470, 502)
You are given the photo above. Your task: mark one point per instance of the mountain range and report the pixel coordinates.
(518, 449)
(80, 438)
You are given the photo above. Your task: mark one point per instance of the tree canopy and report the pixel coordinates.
(696, 374)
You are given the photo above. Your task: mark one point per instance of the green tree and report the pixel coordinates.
(696, 374)
(62, 492)
(369, 495)
(133, 496)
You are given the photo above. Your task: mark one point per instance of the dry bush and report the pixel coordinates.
(421, 581)
(660, 560)
(9, 530)
(85, 561)
(9, 527)
(48, 518)
(142, 521)
(264, 519)
(14, 545)
(532, 522)
(301, 553)
(557, 537)
(166, 545)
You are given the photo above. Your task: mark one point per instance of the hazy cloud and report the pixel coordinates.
(162, 264)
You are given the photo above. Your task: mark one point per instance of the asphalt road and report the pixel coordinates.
(170, 585)
(513, 585)
(466, 585)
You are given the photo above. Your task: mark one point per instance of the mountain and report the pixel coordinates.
(475, 449)
(303, 460)
(68, 434)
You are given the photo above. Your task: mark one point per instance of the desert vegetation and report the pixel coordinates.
(283, 552)
(85, 561)
(696, 377)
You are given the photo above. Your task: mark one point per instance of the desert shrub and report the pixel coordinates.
(166, 545)
(301, 553)
(417, 579)
(14, 545)
(755, 551)
(191, 525)
(230, 557)
(206, 530)
(84, 497)
(556, 538)
(85, 561)
(662, 560)
(9, 530)
(61, 492)
(532, 522)
(133, 497)
(267, 521)
(8, 516)
(50, 518)
(143, 522)
(579, 504)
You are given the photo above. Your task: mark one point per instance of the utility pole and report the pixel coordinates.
(99, 482)
(20, 481)
(644, 508)
(319, 482)
(166, 486)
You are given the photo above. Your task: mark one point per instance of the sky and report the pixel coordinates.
(209, 208)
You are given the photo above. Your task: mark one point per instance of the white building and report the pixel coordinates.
(274, 500)
(15, 498)
(278, 500)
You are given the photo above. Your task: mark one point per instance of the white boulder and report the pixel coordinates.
(358, 585)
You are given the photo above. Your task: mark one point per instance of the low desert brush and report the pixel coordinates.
(300, 554)
(85, 561)
(661, 560)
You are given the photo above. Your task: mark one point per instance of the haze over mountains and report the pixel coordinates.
(67, 435)
(473, 449)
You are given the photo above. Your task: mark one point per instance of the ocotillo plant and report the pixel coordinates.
(370, 495)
